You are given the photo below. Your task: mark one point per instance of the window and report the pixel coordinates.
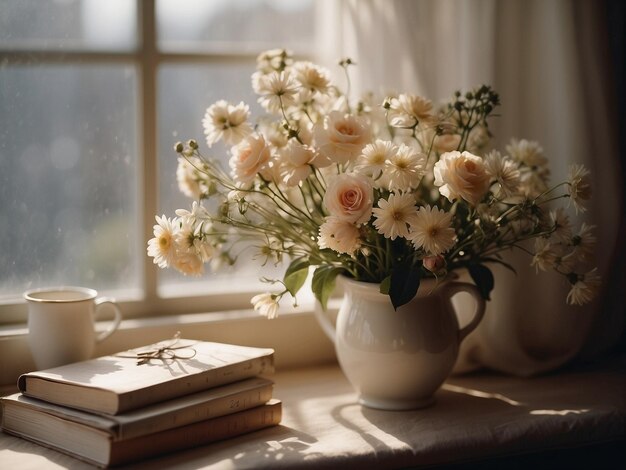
(93, 95)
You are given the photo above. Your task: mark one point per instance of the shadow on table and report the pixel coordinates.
(497, 417)
(401, 437)
(257, 449)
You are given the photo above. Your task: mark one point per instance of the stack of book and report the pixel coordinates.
(145, 402)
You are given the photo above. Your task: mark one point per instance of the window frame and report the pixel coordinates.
(146, 300)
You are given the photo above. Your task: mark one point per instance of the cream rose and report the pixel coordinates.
(461, 175)
(349, 197)
(294, 163)
(340, 138)
(249, 158)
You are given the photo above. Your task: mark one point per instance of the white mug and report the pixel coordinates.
(61, 324)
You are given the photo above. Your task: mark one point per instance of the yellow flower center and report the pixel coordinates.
(164, 242)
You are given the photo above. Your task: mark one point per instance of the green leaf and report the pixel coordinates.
(323, 283)
(404, 283)
(483, 278)
(385, 285)
(296, 275)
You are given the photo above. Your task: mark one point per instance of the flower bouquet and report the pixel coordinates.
(390, 191)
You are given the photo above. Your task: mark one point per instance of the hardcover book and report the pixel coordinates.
(98, 446)
(152, 374)
(176, 412)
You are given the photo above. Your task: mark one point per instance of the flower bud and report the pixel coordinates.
(179, 147)
(193, 144)
(435, 264)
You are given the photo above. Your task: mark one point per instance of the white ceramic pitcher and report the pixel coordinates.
(396, 360)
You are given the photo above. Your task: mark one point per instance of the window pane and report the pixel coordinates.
(68, 24)
(185, 91)
(251, 25)
(68, 173)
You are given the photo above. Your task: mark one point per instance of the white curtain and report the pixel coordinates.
(547, 60)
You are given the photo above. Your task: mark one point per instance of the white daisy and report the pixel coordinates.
(565, 263)
(584, 241)
(163, 246)
(584, 287)
(545, 255)
(266, 304)
(579, 186)
(374, 158)
(392, 216)
(197, 213)
(409, 110)
(224, 121)
(534, 171)
(431, 229)
(405, 169)
(273, 60)
(561, 225)
(527, 152)
(505, 171)
(275, 89)
(312, 77)
(339, 235)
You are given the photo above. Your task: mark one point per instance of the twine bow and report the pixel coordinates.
(165, 353)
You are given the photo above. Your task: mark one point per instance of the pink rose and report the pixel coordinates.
(249, 157)
(349, 197)
(461, 175)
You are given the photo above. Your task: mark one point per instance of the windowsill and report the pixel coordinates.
(574, 418)
(295, 336)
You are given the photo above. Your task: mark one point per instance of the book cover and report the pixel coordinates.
(97, 446)
(176, 412)
(139, 377)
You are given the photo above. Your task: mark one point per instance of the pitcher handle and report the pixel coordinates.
(116, 320)
(452, 288)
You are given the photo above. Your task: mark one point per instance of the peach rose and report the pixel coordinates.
(340, 139)
(461, 175)
(249, 157)
(349, 197)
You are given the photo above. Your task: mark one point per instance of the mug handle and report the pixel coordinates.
(452, 288)
(116, 321)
